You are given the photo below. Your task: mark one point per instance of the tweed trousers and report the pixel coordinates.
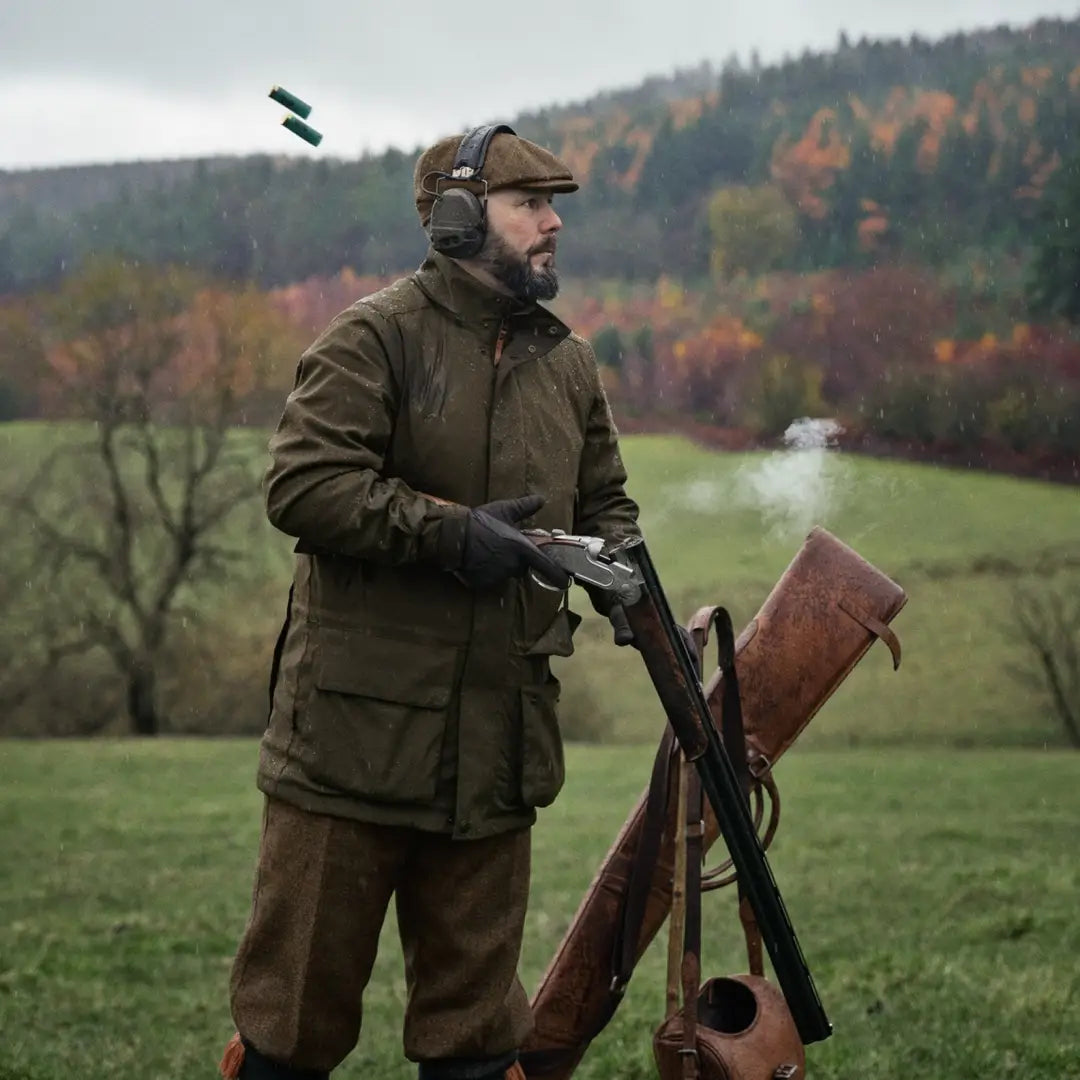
(322, 890)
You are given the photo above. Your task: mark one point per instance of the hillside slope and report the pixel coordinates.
(882, 148)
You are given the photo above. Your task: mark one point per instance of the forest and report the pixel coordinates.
(887, 233)
(878, 149)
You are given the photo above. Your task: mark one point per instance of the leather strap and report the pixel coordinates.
(876, 627)
(691, 962)
(641, 875)
(734, 738)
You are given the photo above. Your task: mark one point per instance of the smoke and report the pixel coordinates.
(798, 487)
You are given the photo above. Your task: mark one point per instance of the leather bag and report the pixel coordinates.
(743, 1031)
(827, 609)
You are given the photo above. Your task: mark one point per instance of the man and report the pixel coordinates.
(413, 730)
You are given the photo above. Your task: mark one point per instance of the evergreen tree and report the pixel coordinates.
(1054, 282)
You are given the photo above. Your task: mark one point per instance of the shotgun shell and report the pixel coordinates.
(290, 101)
(305, 131)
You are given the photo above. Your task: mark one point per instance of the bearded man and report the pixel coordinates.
(413, 731)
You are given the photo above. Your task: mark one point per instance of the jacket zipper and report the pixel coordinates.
(500, 341)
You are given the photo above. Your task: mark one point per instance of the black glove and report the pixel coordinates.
(495, 550)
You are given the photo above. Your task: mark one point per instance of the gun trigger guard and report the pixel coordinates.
(537, 579)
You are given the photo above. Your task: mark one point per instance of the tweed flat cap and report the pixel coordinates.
(511, 161)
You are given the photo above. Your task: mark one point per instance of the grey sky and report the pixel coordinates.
(129, 79)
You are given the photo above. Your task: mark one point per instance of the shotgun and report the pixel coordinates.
(626, 573)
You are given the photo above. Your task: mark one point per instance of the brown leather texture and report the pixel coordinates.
(810, 632)
(744, 1032)
(789, 660)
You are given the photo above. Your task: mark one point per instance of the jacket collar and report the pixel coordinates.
(470, 301)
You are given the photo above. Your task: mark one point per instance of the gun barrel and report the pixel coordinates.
(673, 675)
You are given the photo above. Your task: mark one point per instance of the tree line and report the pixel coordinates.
(878, 150)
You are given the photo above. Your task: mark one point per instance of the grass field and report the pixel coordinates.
(934, 894)
(957, 541)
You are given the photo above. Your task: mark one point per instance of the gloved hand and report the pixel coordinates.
(495, 550)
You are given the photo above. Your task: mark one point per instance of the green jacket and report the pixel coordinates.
(402, 696)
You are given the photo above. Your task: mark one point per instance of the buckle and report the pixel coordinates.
(758, 765)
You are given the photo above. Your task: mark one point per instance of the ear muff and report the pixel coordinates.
(458, 223)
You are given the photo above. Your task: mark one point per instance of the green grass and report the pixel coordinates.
(934, 895)
(956, 540)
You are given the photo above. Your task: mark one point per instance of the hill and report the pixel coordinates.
(722, 528)
(881, 148)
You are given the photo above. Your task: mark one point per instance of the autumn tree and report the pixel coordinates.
(127, 512)
(753, 229)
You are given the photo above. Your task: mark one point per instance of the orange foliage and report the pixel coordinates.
(685, 111)
(1036, 78)
(859, 110)
(888, 124)
(578, 155)
(944, 350)
(936, 109)
(805, 169)
(986, 102)
(870, 230)
(1033, 189)
(313, 303)
(641, 140)
(616, 123)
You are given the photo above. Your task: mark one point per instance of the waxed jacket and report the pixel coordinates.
(402, 696)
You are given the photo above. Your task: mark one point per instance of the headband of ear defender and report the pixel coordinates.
(459, 216)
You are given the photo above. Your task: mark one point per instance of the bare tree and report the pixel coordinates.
(1046, 621)
(127, 524)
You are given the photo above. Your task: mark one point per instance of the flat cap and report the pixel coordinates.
(511, 161)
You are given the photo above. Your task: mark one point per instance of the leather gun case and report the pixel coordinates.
(821, 617)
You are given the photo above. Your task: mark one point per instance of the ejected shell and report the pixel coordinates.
(290, 101)
(305, 131)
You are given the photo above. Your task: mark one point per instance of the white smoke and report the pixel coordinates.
(798, 487)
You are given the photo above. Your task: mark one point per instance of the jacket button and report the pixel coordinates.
(532, 348)
(464, 828)
(553, 329)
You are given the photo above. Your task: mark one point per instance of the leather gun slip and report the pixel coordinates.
(821, 617)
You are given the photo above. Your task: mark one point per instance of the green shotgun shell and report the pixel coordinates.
(305, 131)
(290, 101)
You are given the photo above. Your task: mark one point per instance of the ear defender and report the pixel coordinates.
(458, 223)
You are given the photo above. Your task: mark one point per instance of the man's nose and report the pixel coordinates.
(552, 223)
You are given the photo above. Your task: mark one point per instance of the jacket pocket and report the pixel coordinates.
(557, 638)
(542, 767)
(374, 723)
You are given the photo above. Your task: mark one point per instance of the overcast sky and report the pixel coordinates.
(122, 80)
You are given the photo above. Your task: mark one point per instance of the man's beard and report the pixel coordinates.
(516, 272)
